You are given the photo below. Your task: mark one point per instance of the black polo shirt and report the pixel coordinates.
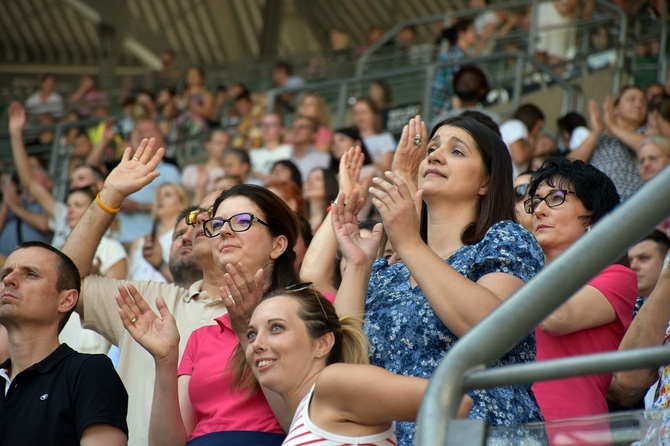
(53, 401)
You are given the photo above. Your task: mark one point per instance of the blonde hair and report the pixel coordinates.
(323, 117)
(661, 142)
(351, 344)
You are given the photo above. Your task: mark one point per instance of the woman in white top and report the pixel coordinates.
(274, 149)
(380, 144)
(316, 361)
(170, 199)
(110, 261)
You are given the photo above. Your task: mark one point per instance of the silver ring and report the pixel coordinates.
(135, 159)
(230, 296)
(418, 140)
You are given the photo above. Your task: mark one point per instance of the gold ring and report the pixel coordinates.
(135, 159)
(418, 139)
(348, 167)
(133, 320)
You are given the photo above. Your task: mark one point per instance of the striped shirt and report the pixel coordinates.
(304, 432)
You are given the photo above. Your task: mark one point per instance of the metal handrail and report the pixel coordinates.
(523, 311)
(521, 58)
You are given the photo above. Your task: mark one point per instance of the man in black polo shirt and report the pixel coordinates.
(51, 394)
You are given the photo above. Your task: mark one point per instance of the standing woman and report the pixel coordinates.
(461, 259)
(613, 152)
(319, 191)
(171, 199)
(314, 106)
(380, 144)
(566, 200)
(110, 260)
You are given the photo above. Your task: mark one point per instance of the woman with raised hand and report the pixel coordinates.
(252, 233)
(316, 361)
(613, 152)
(462, 257)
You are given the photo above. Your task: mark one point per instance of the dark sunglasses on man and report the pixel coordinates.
(520, 191)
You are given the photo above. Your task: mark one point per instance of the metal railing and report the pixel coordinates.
(425, 73)
(465, 366)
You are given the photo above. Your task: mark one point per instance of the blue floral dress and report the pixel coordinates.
(408, 338)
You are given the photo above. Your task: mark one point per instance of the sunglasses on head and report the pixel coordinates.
(304, 286)
(192, 217)
(520, 191)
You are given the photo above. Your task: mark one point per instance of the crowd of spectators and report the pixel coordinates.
(415, 238)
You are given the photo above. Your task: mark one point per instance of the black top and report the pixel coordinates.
(53, 401)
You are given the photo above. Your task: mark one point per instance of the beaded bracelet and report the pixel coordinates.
(103, 207)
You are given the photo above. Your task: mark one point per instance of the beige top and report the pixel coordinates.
(191, 309)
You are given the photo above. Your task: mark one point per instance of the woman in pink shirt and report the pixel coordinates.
(566, 199)
(252, 234)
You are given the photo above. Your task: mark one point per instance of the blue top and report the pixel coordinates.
(408, 338)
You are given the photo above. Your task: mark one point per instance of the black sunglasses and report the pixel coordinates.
(520, 191)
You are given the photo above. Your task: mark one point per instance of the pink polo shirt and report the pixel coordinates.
(216, 407)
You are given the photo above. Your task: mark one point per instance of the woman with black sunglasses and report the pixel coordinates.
(566, 199)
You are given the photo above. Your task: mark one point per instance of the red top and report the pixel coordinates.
(585, 395)
(216, 407)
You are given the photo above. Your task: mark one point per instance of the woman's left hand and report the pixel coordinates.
(241, 294)
(396, 204)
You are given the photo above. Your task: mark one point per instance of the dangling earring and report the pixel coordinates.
(588, 229)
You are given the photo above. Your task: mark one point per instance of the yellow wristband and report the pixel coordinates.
(103, 207)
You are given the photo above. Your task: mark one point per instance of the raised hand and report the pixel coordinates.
(11, 196)
(595, 117)
(355, 249)
(133, 172)
(397, 207)
(408, 154)
(609, 116)
(157, 334)
(152, 251)
(17, 118)
(241, 294)
(349, 175)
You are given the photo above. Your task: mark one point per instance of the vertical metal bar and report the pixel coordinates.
(532, 32)
(341, 103)
(426, 109)
(662, 76)
(518, 80)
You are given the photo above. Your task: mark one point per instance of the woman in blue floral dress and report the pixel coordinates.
(460, 259)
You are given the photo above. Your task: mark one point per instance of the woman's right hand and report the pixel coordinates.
(408, 155)
(595, 117)
(349, 175)
(355, 249)
(157, 334)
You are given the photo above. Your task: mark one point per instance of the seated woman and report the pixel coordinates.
(461, 259)
(299, 348)
(566, 199)
(252, 234)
